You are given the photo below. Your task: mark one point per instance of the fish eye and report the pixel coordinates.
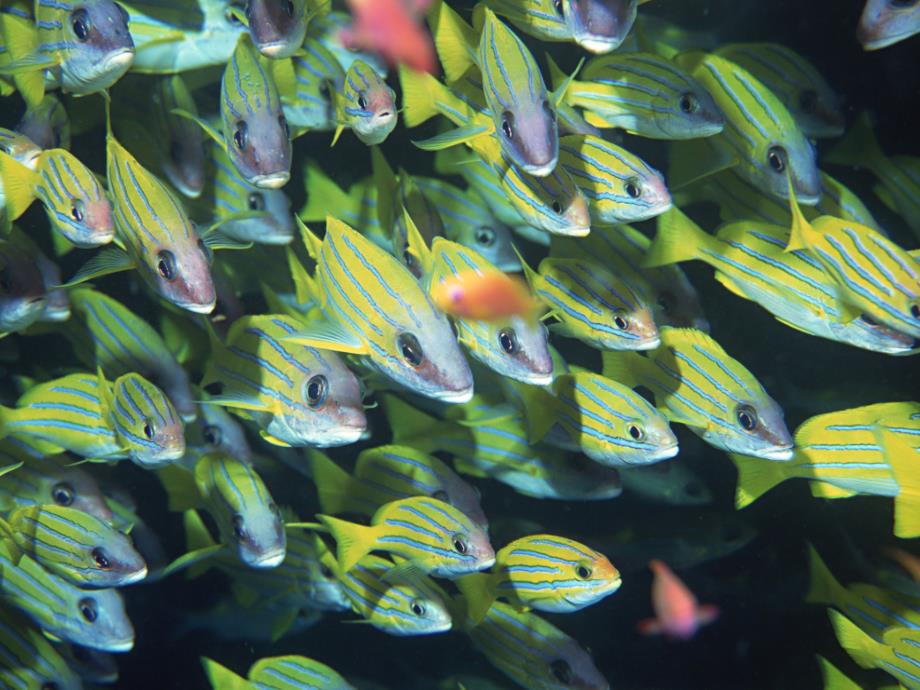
(362, 101)
(557, 207)
(241, 135)
(418, 607)
(557, 5)
(665, 300)
(620, 321)
(239, 527)
(282, 121)
(256, 201)
(101, 559)
(324, 89)
(776, 157)
(149, 430)
(915, 310)
(166, 265)
(747, 417)
(459, 544)
(808, 100)
(62, 494)
(317, 388)
(77, 210)
(868, 320)
(87, 607)
(507, 340)
(212, 435)
(632, 188)
(582, 571)
(561, 671)
(441, 495)
(508, 125)
(485, 237)
(289, 8)
(408, 259)
(689, 103)
(326, 571)
(79, 20)
(410, 348)
(635, 432)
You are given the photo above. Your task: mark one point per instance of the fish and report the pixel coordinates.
(256, 135)
(883, 23)
(895, 653)
(906, 560)
(761, 141)
(602, 418)
(46, 124)
(376, 309)
(598, 26)
(391, 29)
(90, 665)
(834, 678)
(750, 261)
(94, 619)
(215, 429)
(366, 105)
(489, 441)
(182, 151)
(297, 395)
(543, 572)
(593, 304)
(432, 535)
(23, 295)
(534, 653)
(677, 613)
(873, 274)
(29, 660)
(388, 473)
(121, 342)
(483, 296)
(289, 672)
(277, 27)
(702, 386)
(670, 482)
(642, 93)
(20, 147)
(795, 81)
(87, 415)
(308, 84)
(76, 546)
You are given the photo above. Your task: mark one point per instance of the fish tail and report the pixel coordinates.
(418, 92)
(824, 587)
(222, 677)
(454, 39)
(556, 75)
(859, 148)
(408, 423)
(478, 589)
(755, 478)
(906, 517)
(179, 485)
(333, 484)
(18, 185)
(322, 194)
(623, 367)
(678, 239)
(864, 650)
(353, 541)
(801, 228)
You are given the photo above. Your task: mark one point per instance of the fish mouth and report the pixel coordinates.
(340, 437)
(276, 49)
(650, 343)
(598, 44)
(134, 577)
(272, 559)
(665, 453)
(779, 454)
(198, 307)
(540, 170)
(274, 180)
(535, 379)
(461, 396)
(118, 646)
(865, 36)
(123, 58)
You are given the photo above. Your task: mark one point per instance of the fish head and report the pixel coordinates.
(46, 124)
(146, 422)
(258, 535)
(676, 301)
(20, 147)
(646, 191)
(580, 478)
(97, 619)
(464, 497)
(884, 22)
(869, 334)
(635, 326)
(369, 104)
(323, 588)
(529, 134)
(181, 273)
(22, 289)
(818, 112)
(73, 487)
(794, 158)
(756, 428)
(276, 224)
(74, 200)
(568, 665)
(100, 46)
(173, 378)
(515, 347)
(598, 26)
(492, 239)
(217, 430)
(422, 611)
(184, 159)
(687, 112)
(597, 578)
(553, 203)
(277, 27)
(113, 561)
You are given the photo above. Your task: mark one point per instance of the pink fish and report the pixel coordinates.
(678, 615)
(393, 30)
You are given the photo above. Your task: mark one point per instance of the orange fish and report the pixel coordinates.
(393, 30)
(677, 613)
(908, 561)
(488, 296)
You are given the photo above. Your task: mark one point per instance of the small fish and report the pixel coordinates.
(598, 26)
(297, 395)
(677, 613)
(886, 22)
(377, 309)
(76, 546)
(122, 342)
(277, 673)
(29, 660)
(215, 430)
(388, 473)
(873, 275)
(795, 81)
(95, 619)
(255, 132)
(534, 653)
(670, 482)
(908, 561)
(328, 27)
(20, 147)
(277, 27)
(391, 29)
(895, 652)
(23, 296)
(144, 420)
(182, 149)
(366, 105)
(750, 261)
(308, 84)
(700, 385)
(435, 537)
(483, 296)
(644, 94)
(542, 572)
(47, 124)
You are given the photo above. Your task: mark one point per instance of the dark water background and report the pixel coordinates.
(766, 637)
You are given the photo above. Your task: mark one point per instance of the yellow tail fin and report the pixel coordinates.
(353, 541)
(823, 588)
(678, 239)
(755, 478)
(333, 484)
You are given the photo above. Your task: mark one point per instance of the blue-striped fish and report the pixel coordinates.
(182, 146)
(47, 124)
(533, 653)
(598, 26)
(896, 652)
(308, 84)
(699, 384)
(379, 311)
(277, 27)
(432, 535)
(593, 304)
(542, 572)
(388, 473)
(761, 140)
(873, 274)
(520, 108)
(297, 395)
(414, 606)
(89, 416)
(29, 661)
(490, 441)
(23, 295)
(277, 673)
(366, 105)
(20, 147)
(750, 261)
(838, 452)
(76, 546)
(884, 23)
(644, 94)
(95, 619)
(215, 429)
(255, 131)
(122, 342)
(672, 482)
(795, 82)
